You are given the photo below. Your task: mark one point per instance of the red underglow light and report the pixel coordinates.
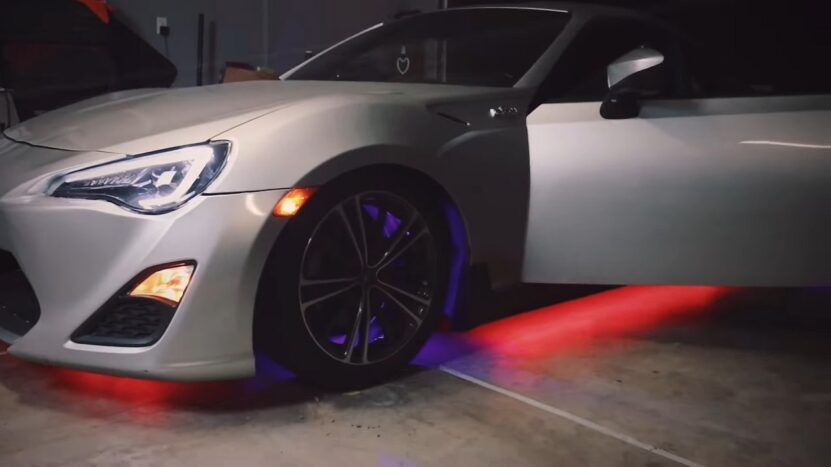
(614, 313)
(535, 334)
(148, 402)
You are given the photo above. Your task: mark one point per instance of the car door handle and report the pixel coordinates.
(504, 112)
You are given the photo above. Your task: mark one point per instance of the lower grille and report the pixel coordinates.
(126, 322)
(19, 308)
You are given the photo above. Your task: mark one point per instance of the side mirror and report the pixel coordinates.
(637, 74)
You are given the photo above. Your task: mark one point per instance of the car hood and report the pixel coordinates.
(140, 121)
(137, 121)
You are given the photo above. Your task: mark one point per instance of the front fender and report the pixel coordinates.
(483, 167)
(282, 149)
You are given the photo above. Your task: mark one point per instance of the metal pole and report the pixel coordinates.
(200, 46)
(266, 33)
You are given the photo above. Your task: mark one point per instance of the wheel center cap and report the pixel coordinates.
(367, 277)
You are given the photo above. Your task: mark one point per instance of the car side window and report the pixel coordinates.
(477, 47)
(580, 74)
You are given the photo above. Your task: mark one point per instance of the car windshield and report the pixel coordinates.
(478, 47)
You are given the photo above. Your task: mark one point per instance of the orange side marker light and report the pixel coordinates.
(292, 201)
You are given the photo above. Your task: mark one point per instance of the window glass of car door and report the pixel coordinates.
(480, 47)
(581, 73)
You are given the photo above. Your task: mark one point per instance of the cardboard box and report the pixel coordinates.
(235, 74)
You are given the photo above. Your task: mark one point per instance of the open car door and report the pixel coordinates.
(667, 190)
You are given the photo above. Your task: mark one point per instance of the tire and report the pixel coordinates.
(345, 316)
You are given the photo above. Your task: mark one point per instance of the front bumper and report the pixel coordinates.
(77, 254)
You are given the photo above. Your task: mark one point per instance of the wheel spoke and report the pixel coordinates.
(312, 282)
(389, 260)
(398, 237)
(367, 329)
(413, 316)
(305, 305)
(353, 335)
(363, 228)
(351, 232)
(414, 297)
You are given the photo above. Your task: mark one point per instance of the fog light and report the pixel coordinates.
(168, 285)
(291, 203)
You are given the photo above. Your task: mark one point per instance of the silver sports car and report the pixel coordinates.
(331, 218)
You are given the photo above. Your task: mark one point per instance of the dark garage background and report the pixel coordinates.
(778, 48)
(642, 376)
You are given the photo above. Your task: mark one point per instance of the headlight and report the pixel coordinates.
(152, 183)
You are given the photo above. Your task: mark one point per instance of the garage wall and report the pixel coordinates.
(273, 33)
(236, 34)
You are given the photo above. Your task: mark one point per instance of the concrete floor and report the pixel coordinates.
(637, 376)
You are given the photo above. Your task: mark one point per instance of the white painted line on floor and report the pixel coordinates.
(790, 145)
(574, 418)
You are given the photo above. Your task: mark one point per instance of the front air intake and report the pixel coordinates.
(126, 322)
(139, 314)
(19, 307)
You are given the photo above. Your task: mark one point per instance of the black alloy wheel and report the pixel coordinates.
(360, 277)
